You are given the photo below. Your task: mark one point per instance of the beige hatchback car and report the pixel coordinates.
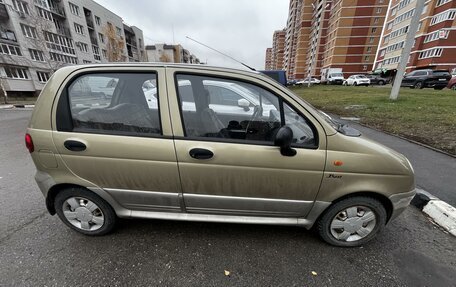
(199, 143)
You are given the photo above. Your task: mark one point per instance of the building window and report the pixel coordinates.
(440, 34)
(8, 35)
(74, 8)
(394, 11)
(376, 19)
(79, 29)
(59, 43)
(101, 37)
(105, 53)
(369, 49)
(431, 53)
(96, 52)
(371, 40)
(389, 26)
(379, 10)
(45, 14)
(43, 77)
(441, 2)
(374, 30)
(86, 62)
(21, 7)
(97, 20)
(366, 58)
(16, 73)
(36, 55)
(28, 31)
(444, 16)
(118, 31)
(10, 50)
(63, 58)
(83, 47)
(365, 68)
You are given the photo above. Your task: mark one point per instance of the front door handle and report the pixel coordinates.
(201, 153)
(74, 145)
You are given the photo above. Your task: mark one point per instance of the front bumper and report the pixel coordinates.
(400, 202)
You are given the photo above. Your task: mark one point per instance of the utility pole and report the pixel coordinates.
(409, 40)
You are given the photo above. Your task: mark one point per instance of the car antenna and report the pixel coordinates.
(245, 65)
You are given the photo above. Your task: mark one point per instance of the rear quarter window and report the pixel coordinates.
(111, 103)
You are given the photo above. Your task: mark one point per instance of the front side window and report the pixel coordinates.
(114, 103)
(226, 109)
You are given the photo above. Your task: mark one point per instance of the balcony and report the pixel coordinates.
(4, 16)
(63, 31)
(57, 12)
(90, 24)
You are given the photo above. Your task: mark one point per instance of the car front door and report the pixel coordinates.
(235, 169)
(118, 142)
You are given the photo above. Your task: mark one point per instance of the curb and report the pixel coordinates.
(439, 211)
(16, 106)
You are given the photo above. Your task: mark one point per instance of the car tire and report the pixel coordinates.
(85, 211)
(355, 84)
(453, 87)
(381, 83)
(340, 225)
(418, 85)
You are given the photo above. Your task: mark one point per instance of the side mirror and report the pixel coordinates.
(243, 103)
(283, 139)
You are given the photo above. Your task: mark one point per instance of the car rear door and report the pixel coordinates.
(114, 140)
(235, 169)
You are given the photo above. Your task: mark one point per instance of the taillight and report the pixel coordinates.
(29, 143)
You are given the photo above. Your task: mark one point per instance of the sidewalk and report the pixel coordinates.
(434, 172)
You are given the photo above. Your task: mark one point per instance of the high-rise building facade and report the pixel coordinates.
(278, 49)
(39, 36)
(268, 61)
(323, 34)
(435, 40)
(353, 35)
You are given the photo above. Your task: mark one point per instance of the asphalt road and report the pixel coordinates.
(36, 249)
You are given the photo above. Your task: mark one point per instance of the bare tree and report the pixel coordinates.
(115, 44)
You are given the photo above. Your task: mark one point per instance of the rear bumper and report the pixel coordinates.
(400, 202)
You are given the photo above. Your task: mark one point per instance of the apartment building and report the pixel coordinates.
(435, 40)
(278, 49)
(323, 34)
(39, 36)
(353, 35)
(268, 60)
(275, 55)
(170, 53)
(291, 37)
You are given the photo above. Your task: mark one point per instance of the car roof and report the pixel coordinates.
(159, 65)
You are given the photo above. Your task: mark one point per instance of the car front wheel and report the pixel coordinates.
(453, 87)
(352, 221)
(84, 211)
(418, 85)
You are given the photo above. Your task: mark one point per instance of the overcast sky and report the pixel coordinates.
(240, 28)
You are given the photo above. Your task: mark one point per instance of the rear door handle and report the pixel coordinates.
(201, 153)
(74, 145)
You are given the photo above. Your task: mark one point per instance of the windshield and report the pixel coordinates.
(337, 75)
(361, 76)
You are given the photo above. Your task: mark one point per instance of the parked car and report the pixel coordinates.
(452, 84)
(357, 80)
(278, 75)
(183, 159)
(313, 81)
(418, 79)
(291, 83)
(377, 79)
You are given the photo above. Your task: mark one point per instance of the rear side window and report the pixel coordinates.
(441, 73)
(114, 103)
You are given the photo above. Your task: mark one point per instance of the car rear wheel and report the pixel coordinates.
(355, 83)
(84, 211)
(453, 87)
(352, 221)
(381, 83)
(418, 85)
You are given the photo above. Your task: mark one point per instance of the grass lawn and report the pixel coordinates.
(427, 116)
